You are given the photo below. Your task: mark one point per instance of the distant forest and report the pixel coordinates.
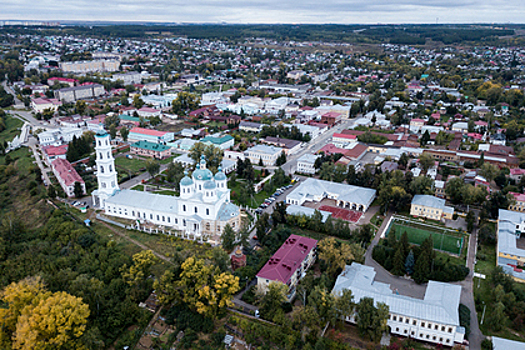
(395, 34)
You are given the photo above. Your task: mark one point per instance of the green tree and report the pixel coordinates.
(112, 131)
(421, 185)
(152, 167)
(272, 300)
(80, 107)
(344, 305)
(78, 190)
(371, 321)
(262, 225)
(489, 171)
(426, 161)
(124, 132)
(137, 102)
(228, 238)
(422, 269)
(184, 102)
(497, 319)
(410, 263)
(51, 192)
(399, 262)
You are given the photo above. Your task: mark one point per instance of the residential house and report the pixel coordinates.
(288, 265)
(39, 105)
(430, 207)
(150, 149)
(306, 164)
(250, 126)
(67, 176)
(289, 146)
(268, 154)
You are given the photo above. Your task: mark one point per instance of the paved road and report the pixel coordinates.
(138, 179)
(43, 169)
(315, 145)
(18, 104)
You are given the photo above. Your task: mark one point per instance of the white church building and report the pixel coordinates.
(201, 212)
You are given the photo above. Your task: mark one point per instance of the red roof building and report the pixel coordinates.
(54, 152)
(67, 176)
(289, 264)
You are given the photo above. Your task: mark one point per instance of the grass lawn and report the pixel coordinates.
(257, 199)
(133, 165)
(138, 188)
(167, 192)
(12, 126)
(169, 159)
(442, 241)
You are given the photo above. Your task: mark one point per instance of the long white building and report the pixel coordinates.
(346, 196)
(434, 319)
(201, 212)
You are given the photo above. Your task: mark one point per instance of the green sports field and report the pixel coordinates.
(417, 234)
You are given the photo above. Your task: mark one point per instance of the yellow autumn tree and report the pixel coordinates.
(54, 322)
(205, 288)
(334, 255)
(38, 319)
(136, 274)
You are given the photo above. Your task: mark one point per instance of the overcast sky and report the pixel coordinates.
(269, 11)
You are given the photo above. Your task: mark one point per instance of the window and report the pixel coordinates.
(430, 325)
(176, 221)
(102, 169)
(112, 183)
(393, 317)
(407, 321)
(414, 322)
(442, 328)
(184, 207)
(422, 324)
(195, 210)
(412, 333)
(434, 338)
(132, 213)
(421, 335)
(103, 185)
(110, 169)
(441, 339)
(168, 219)
(158, 218)
(447, 341)
(436, 327)
(100, 155)
(151, 216)
(163, 218)
(99, 143)
(207, 211)
(428, 336)
(450, 329)
(108, 154)
(405, 331)
(401, 319)
(397, 329)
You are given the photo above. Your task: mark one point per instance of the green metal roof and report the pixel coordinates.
(150, 146)
(217, 140)
(129, 117)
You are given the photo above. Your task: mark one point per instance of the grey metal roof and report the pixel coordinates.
(227, 211)
(308, 158)
(428, 201)
(314, 187)
(440, 304)
(145, 200)
(293, 209)
(507, 232)
(506, 344)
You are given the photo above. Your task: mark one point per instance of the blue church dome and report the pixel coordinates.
(186, 181)
(220, 176)
(209, 185)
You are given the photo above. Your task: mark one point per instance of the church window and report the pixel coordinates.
(151, 216)
(200, 187)
(112, 183)
(163, 218)
(132, 213)
(184, 207)
(196, 211)
(158, 218)
(103, 185)
(176, 221)
(100, 154)
(207, 211)
(184, 222)
(106, 142)
(110, 169)
(144, 215)
(168, 219)
(108, 154)
(208, 226)
(99, 143)
(102, 169)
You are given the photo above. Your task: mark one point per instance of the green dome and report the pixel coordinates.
(186, 181)
(209, 185)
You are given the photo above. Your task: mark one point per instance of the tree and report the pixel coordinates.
(334, 255)
(344, 304)
(279, 213)
(489, 171)
(153, 167)
(228, 238)
(425, 138)
(399, 262)
(174, 173)
(421, 185)
(185, 101)
(403, 160)
(78, 189)
(426, 161)
(112, 131)
(124, 132)
(34, 318)
(471, 220)
(262, 225)
(56, 322)
(410, 263)
(497, 319)
(273, 298)
(212, 154)
(422, 269)
(51, 192)
(80, 107)
(204, 288)
(454, 189)
(371, 320)
(324, 304)
(136, 275)
(281, 159)
(137, 102)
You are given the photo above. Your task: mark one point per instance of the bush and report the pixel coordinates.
(464, 318)
(185, 318)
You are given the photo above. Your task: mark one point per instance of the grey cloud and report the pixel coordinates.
(269, 11)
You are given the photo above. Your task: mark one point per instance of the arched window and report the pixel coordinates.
(200, 187)
(196, 210)
(108, 154)
(110, 169)
(208, 226)
(102, 169)
(207, 211)
(100, 154)
(103, 185)
(184, 207)
(99, 143)
(106, 142)
(112, 183)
